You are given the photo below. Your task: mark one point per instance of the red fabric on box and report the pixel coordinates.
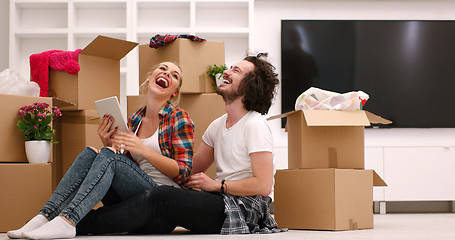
(57, 60)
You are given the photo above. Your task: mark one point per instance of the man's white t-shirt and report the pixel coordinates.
(233, 145)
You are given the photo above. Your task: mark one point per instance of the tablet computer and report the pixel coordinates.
(110, 106)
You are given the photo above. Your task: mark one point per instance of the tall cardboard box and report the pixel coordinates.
(193, 57)
(99, 75)
(327, 138)
(25, 188)
(202, 108)
(12, 141)
(78, 130)
(325, 199)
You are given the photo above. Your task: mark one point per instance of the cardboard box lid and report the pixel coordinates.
(375, 119)
(330, 117)
(86, 116)
(337, 118)
(108, 47)
(377, 180)
(62, 104)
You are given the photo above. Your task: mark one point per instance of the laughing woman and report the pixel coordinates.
(159, 150)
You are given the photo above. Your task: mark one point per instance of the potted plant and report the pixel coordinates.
(34, 121)
(216, 73)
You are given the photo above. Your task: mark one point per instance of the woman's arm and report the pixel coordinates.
(203, 158)
(182, 143)
(259, 184)
(181, 146)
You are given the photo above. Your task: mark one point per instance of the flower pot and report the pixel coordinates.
(37, 151)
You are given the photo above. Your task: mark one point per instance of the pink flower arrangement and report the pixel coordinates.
(34, 121)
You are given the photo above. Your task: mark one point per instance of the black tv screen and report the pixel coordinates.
(406, 67)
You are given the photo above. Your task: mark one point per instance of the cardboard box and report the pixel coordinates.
(193, 57)
(325, 199)
(208, 83)
(327, 139)
(25, 188)
(12, 140)
(99, 75)
(202, 108)
(78, 130)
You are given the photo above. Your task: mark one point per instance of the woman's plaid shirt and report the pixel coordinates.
(175, 136)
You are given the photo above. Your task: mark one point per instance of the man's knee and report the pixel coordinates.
(112, 149)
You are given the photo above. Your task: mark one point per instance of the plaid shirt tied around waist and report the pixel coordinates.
(248, 214)
(175, 136)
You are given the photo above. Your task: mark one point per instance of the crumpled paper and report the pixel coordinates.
(12, 83)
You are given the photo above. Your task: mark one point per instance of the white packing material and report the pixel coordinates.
(12, 83)
(319, 99)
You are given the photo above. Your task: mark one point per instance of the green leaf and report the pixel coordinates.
(213, 70)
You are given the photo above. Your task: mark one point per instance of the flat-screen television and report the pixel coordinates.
(406, 67)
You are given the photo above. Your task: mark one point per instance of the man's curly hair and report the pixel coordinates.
(259, 86)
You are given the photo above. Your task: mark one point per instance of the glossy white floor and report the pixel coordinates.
(388, 226)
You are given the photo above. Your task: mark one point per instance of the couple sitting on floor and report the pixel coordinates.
(149, 188)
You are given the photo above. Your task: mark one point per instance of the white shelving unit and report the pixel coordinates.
(40, 25)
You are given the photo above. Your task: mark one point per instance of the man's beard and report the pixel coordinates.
(229, 95)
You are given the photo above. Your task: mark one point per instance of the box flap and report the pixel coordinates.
(335, 118)
(61, 104)
(108, 47)
(281, 115)
(330, 117)
(377, 180)
(88, 116)
(375, 119)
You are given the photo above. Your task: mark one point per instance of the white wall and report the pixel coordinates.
(4, 34)
(266, 37)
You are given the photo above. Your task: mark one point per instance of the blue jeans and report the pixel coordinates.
(89, 179)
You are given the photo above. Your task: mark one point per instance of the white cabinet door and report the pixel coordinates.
(374, 159)
(419, 173)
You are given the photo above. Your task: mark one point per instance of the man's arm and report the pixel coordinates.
(259, 184)
(261, 181)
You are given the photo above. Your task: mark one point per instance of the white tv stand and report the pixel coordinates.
(416, 164)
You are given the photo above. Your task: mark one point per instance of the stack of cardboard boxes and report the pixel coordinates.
(99, 77)
(198, 93)
(326, 186)
(26, 187)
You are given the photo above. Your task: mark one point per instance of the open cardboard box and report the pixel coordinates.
(193, 57)
(325, 199)
(99, 75)
(327, 138)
